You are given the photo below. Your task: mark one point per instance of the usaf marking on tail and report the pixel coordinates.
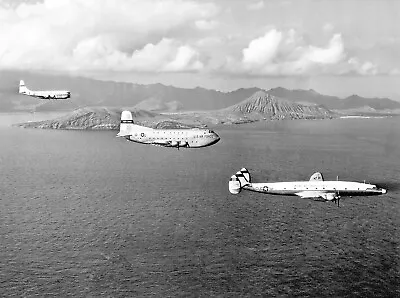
(177, 138)
(49, 94)
(316, 188)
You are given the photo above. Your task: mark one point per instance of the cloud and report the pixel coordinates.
(206, 24)
(168, 55)
(362, 68)
(256, 5)
(329, 55)
(59, 33)
(280, 53)
(263, 49)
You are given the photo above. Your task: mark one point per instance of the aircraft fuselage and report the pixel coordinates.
(181, 138)
(48, 94)
(313, 188)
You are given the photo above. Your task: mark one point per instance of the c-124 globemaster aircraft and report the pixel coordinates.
(177, 138)
(316, 188)
(48, 94)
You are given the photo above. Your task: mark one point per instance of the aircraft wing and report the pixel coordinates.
(168, 143)
(325, 195)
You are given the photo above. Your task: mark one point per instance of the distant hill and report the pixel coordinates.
(103, 118)
(333, 102)
(87, 92)
(157, 97)
(154, 104)
(259, 106)
(269, 106)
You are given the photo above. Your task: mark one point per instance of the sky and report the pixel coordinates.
(336, 47)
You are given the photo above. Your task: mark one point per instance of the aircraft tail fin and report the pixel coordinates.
(22, 87)
(239, 180)
(127, 127)
(317, 176)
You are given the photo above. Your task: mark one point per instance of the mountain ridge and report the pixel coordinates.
(88, 92)
(257, 107)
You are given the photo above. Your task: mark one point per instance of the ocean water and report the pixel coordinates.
(85, 214)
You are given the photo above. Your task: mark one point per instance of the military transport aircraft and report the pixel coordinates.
(178, 138)
(50, 94)
(317, 188)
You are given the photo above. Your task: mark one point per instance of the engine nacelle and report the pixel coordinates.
(174, 144)
(183, 144)
(330, 196)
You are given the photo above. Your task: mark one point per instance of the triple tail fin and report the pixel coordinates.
(239, 180)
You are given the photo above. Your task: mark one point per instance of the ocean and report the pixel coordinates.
(86, 214)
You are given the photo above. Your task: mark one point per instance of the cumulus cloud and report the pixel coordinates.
(332, 54)
(287, 53)
(100, 33)
(256, 5)
(362, 68)
(168, 55)
(206, 24)
(262, 50)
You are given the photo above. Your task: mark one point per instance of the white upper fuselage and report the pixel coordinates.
(51, 94)
(308, 189)
(191, 138)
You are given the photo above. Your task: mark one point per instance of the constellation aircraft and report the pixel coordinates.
(49, 94)
(316, 188)
(178, 138)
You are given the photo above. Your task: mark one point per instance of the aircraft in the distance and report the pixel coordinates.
(177, 138)
(316, 188)
(49, 94)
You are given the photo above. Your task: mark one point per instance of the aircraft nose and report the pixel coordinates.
(384, 190)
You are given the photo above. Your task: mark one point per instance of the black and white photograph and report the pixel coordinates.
(199, 148)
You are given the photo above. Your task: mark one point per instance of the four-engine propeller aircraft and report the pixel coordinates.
(317, 188)
(178, 138)
(50, 94)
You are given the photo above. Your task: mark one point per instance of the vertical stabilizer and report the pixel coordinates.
(317, 177)
(237, 181)
(22, 87)
(127, 127)
(234, 185)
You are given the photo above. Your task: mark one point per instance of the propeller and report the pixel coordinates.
(337, 198)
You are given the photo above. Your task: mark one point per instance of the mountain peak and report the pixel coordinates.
(268, 105)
